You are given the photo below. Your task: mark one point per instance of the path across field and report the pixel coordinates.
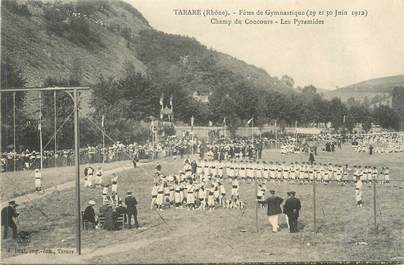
(26, 198)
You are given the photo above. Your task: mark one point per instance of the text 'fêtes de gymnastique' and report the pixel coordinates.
(296, 17)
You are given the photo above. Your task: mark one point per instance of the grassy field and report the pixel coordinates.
(230, 235)
(50, 177)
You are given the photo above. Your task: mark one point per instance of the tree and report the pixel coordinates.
(386, 117)
(11, 78)
(222, 104)
(288, 81)
(309, 90)
(64, 108)
(125, 103)
(397, 102)
(351, 102)
(358, 114)
(366, 102)
(261, 109)
(336, 112)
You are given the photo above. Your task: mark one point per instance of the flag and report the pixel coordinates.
(152, 126)
(210, 123)
(161, 100)
(102, 121)
(192, 121)
(249, 121)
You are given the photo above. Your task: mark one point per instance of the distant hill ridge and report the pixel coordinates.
(380, 87)
(382, 84)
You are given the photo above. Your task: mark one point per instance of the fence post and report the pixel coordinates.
(256, 205)
(374, 200)
(314, 206)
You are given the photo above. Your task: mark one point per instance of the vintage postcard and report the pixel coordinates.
(204, 131)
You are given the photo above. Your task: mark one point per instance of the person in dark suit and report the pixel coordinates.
(259, 148)
(110, 218)
(291, 208)
(89, 215)
(194, 165)
(120, 209)
(311, 158)
(158, 167)
(274, 209)
(7, 214)
(131, 203)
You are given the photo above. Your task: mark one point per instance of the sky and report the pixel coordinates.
(343, 51)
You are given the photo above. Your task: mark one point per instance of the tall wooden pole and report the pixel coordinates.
(276, 136)
(224, 130)
(314, 206)
(55, 123)
(40, 128)
(153, 142)
(103, 147)
(77, 169)
(1, 131)
(103, 139)
(252, 128)
(192, 140)
(256, 205)
(374, 202)
(15, 147)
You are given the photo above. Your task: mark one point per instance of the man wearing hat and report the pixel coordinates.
(194, 165)
(291, 208)
(89, 215)
(131, 203)
(7, 214)
(274, 209)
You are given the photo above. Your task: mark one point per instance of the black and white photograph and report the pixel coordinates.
(203, 131)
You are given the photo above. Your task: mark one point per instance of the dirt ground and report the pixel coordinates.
(345, 232)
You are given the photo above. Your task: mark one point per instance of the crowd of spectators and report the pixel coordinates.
(31, 159)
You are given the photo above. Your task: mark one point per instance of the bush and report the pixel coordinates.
(74, 28)
(168, 129)
(17, 8)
